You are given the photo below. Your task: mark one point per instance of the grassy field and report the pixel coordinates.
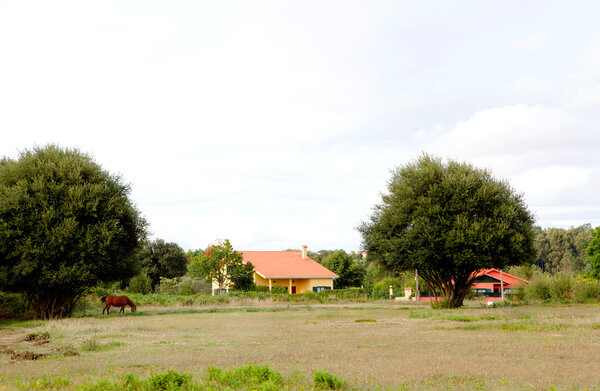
(370, 346)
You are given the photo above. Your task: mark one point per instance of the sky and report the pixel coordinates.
(276, 124)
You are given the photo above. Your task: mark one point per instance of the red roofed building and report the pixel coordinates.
(489, 283)
(293, 270)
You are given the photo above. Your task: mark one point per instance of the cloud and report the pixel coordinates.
(546, 152)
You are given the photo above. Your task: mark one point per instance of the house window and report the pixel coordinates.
(321, 288)
(220, 291)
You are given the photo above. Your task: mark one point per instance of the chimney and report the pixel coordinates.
(304, 251)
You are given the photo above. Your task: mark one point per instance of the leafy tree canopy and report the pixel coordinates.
(448, 220)
(593, 251)
(160, 259)
(350, 274)
(65, 225)
(562, 250)
(217, 262)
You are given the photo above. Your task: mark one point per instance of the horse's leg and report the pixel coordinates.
(122, 309)
(105, 309)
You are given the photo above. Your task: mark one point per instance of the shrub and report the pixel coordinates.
(585, 290)
(384, 286)
(12, 304)
(328, 381)
(247, 376)
(539, 289)
(278, 289)
(167, 286)
(561, 288)
(169, 380)
(140, 284)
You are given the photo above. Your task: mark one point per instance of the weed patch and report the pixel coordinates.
(327, 381)
(365, 320)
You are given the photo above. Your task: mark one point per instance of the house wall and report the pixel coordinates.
(301, 284)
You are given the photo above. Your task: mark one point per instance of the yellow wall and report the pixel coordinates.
(301, 284)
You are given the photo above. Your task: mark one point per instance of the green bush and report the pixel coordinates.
(384, 286)
(327, 381)
(140, 284)
(169, 380)
(12, 304)
(540, 288)
(278, 290)
(167, 286)
(245, 377)
(586, 290)
(562, 288)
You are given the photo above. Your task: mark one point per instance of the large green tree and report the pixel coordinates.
(161, 259)
(65, 225)
(562, 250)
(448, 220)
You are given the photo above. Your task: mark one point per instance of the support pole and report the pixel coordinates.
(417, 294)
(502, 284)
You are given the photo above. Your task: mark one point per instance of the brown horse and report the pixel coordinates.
(117, 301)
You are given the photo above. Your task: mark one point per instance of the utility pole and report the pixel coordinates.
(417, 284)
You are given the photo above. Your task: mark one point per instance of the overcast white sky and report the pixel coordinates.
(276, 123)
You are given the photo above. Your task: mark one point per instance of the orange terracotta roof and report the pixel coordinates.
(286, 264)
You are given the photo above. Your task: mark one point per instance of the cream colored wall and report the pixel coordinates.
(215, 285)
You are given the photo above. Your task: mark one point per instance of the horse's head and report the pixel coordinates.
(133, 307)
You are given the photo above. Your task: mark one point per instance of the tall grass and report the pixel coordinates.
(561, 287)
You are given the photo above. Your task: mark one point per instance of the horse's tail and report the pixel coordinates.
(103, 299)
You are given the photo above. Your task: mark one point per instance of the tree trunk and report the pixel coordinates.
(53, 305)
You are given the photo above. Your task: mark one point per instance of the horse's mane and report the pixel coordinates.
(103, 299)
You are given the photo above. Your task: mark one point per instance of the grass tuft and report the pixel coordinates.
(325, 380)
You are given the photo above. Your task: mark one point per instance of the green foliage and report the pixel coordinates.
(562, 287)
(12, 304)
(593, 251)
(327, 381)
(167, 286)
(384, 286)
(246, 377)
(279, 290)
(160, 259)
(242, 276)
(169, 380)
(562, 250)
(140, 284)
(374, 272)
(65, 225)
(214, 262)
(350, 274)
(447, 221)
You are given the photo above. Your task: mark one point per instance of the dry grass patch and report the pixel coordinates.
(418, 348)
